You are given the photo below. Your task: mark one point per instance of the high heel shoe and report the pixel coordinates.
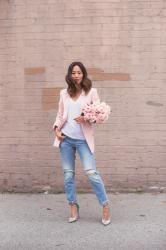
(106, 222)
(75, 218)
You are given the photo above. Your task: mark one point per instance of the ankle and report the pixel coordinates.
(74, 207)
(73, 204)
(106, 211)
(105, 207)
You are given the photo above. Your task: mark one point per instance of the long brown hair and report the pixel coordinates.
(86, 83)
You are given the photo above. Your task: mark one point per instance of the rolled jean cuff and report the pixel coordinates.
(105, 203)
(72, 202)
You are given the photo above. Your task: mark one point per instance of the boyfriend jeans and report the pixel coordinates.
(68, 149)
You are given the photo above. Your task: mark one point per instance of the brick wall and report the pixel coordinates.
(123, 45)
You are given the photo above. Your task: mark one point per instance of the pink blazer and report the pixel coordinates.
(61, 117)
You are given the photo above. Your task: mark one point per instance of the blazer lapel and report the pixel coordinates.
(85, 99)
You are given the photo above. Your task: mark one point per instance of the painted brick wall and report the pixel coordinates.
(123, 45)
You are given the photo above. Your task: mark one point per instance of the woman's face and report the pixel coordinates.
(77, 74)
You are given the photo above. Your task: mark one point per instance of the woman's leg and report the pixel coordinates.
(89, 164)
(68, 151)
(88, 161)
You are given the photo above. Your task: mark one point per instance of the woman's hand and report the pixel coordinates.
(59, 135)
(80, 119)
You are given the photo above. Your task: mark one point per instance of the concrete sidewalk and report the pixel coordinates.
(40, 222)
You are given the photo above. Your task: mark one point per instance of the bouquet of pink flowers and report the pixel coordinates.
(96, 112)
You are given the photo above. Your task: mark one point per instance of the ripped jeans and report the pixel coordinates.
(68, 148)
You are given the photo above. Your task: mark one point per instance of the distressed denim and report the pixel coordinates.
(68, 149)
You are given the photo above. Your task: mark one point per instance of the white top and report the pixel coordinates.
(71, 127)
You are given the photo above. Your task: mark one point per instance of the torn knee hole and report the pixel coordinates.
(91, 172)
(69, 172)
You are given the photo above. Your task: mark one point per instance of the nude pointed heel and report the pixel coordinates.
(106, 222)
(75, 218)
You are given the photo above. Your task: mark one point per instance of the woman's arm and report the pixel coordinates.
(95, 99)
(59, 115)
(58, 119)
(95, 96)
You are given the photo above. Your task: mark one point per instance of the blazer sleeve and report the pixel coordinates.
(95, 96)
(59, 115)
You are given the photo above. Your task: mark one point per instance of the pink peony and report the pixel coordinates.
(96, 112)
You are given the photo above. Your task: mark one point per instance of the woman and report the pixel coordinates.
(73, 134)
